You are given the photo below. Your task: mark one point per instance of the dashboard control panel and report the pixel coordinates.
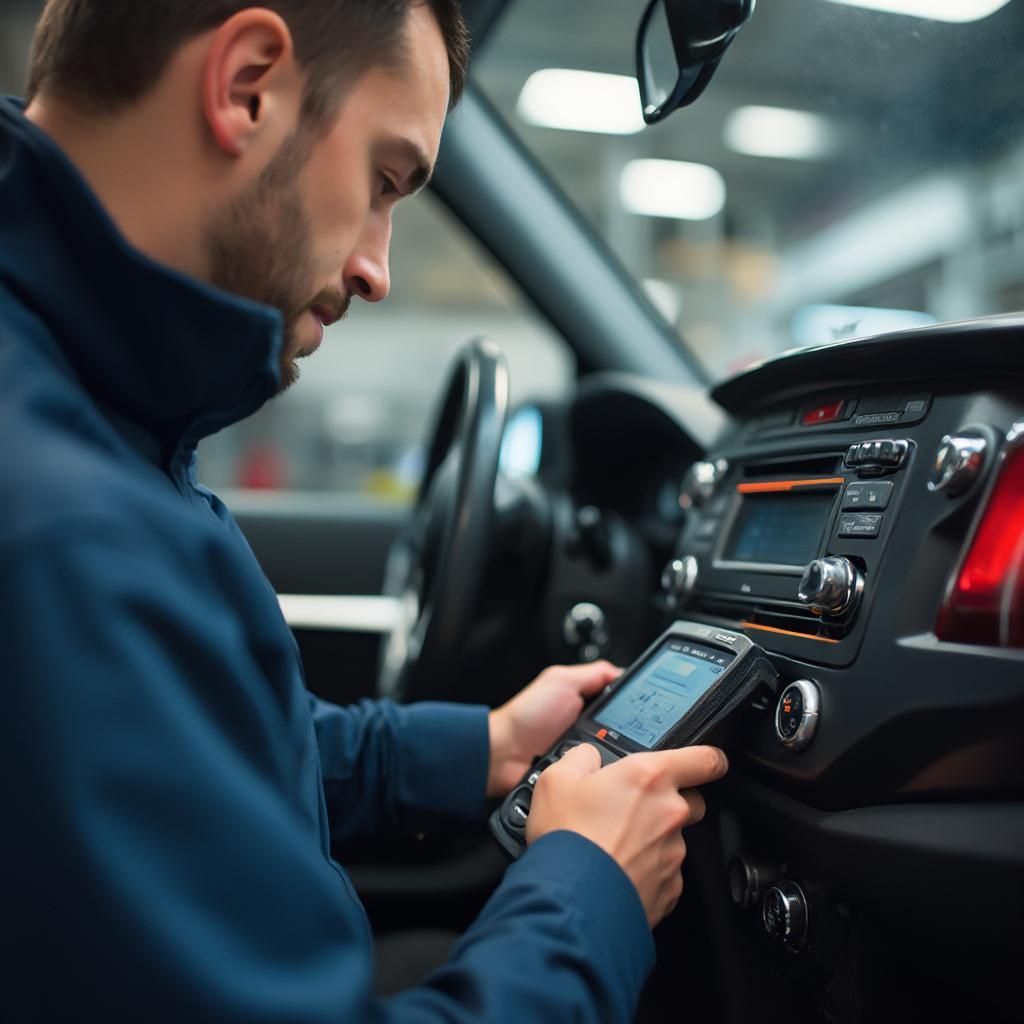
(788, 542)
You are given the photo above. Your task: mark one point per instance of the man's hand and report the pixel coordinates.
(633, 809)
(534, 718)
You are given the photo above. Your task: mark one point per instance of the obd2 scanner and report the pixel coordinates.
(684, 689)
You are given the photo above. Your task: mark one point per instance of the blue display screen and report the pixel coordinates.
(663, 690)
(779, 529)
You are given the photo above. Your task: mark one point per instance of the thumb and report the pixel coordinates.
(581, 761)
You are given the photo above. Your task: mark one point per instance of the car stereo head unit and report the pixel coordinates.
(777, 526)
(789, 544)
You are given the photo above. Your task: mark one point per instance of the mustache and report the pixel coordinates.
(331, 303)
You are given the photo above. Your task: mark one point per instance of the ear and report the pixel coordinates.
(249, 77)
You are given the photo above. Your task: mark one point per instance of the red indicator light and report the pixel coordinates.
(601, 733)
(985, 604)
(822, 414)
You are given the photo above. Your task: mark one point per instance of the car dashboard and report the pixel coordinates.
(870, 836)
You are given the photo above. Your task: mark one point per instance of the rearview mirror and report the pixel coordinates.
(678, 47)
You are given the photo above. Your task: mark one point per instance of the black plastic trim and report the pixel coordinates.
(973, 348)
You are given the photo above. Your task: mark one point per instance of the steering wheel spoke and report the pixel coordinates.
(436, 567)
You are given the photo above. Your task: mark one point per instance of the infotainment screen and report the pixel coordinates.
(779, 529)
(662, 691)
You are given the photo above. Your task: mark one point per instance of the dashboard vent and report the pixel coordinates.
(794, 465)
(777, 616)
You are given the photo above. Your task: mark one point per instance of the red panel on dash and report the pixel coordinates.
(822, 414)
(985, 605)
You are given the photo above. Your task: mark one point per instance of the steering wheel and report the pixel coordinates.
(435, 567)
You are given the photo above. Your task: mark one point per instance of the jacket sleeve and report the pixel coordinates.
(165, 869)
(415, 767)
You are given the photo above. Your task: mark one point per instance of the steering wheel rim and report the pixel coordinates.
(435, 568)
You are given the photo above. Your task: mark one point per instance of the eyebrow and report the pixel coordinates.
(409, 151)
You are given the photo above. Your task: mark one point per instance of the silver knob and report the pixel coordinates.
(830, 585)
(585, 627)
(702, 481)
(958, 464)
(796, 714)
(679, 577)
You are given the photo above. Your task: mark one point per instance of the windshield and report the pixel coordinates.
(849, 170)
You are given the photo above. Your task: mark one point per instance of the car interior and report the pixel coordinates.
(738, 346)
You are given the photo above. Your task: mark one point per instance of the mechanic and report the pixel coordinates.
(193, 190)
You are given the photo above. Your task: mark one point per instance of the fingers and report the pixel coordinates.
(688, 767)
(581, 760)
(593, 677)
(696, 808)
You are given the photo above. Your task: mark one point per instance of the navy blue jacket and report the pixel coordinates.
(168, 788)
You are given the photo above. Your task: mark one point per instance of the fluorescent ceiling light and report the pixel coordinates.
(933, 10)
(581, 101)
(671, 188)
(778, 132)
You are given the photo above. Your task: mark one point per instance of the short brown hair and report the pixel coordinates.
(101, 55)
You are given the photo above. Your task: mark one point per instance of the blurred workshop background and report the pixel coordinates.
(855, 166)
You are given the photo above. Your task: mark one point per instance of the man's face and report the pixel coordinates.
(315, 228)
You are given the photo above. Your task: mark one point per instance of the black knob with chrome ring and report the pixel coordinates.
(784, 914)
(830, 585)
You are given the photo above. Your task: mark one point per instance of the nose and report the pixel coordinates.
(366, 271)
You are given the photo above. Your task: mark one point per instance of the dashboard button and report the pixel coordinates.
(796, 714)
(884, 453)
(867, 495)
(790, 714)
(823, 414)
(517, 810)
(862, 524)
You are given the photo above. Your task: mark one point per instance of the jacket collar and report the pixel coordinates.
(161, 349)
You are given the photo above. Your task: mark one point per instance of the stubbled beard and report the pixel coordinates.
(260, 246)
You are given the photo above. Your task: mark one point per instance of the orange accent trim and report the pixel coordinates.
(789, 632)
(786, 485)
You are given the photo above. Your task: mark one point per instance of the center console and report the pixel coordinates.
(788, 538)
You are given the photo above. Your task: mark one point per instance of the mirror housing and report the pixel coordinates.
(694, 34)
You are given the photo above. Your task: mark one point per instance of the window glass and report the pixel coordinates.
(858, 169)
